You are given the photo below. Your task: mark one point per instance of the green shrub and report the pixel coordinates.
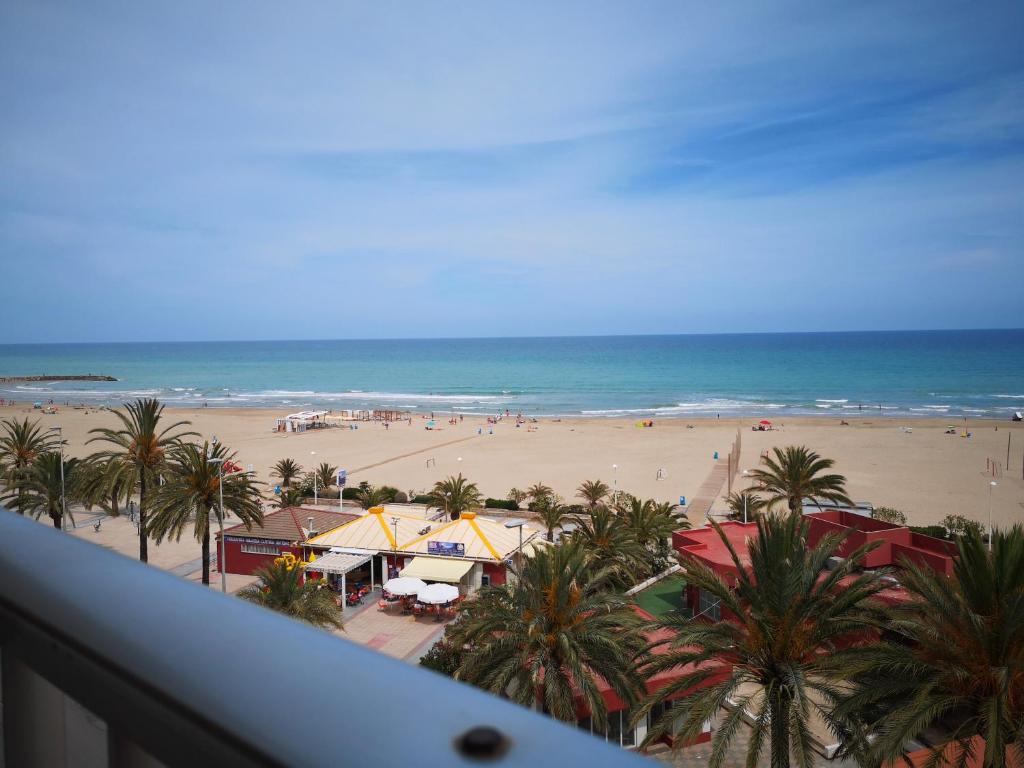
(508, 504)
(401, 498)
(890, 515)
(350, 493)
(935, 531)
(421, 499)
(390, 492)
(958, 525)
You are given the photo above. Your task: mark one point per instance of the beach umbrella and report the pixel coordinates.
(404, 586)
(765, 422)
(438, 594)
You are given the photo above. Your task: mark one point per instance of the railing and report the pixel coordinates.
(106, 661)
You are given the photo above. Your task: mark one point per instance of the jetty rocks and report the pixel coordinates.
(23, 379)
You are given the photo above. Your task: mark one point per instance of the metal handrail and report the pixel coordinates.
(195, 677)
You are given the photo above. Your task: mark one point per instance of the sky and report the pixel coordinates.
(253, 170)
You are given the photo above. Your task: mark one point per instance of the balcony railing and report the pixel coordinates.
(105, 661)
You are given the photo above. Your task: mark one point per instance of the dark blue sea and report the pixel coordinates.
(921, 373)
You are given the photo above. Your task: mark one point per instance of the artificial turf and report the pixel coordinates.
(664, 597)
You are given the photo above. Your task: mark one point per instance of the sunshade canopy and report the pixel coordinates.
(438, 594)
(337, 562)
(437, 569)
(403, 586)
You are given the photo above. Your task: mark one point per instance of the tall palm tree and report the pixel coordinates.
(282, 588)
(137, 454)
(20, 443)
(593, 492)
(286, 470)
(192, 489)
(781, 646)
(326, 475)
(537, 492)
(454, 495)
(652, 522)
(953, 660)
(795, 474)
(610, 546)
(744, 503)
(551, 513)
(547, 638)
(290, 497)
(92, 487)
(42, 487)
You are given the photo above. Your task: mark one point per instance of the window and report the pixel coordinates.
(619, 730)
(709, 606)
(261, 549)
(485, 580)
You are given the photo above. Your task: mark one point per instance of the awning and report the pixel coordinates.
(337, 562)
(437, 569)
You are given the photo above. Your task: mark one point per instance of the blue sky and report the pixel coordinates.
(190, 170)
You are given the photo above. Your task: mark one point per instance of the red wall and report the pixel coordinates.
(247, 564)
(496, 572)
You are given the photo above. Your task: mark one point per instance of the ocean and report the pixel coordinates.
(977, 374)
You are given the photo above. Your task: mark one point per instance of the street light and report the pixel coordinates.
(992, 484)
(394, 525)
(221, 562)
(745, 495)
(63, 500)
(615, 482)
(519, 552)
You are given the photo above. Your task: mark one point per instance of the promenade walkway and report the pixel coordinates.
(699, 507)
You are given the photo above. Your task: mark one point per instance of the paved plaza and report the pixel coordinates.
(391, 632)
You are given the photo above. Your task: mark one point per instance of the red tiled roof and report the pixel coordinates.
(289, 524)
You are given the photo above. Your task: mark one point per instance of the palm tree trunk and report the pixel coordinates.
(55, 519)
(206, 552)
(780, 731)
(143, 538)
(114, 510)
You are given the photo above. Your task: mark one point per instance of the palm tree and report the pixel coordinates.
(42, 486)
(537, 492)
(794, 474)
(283, 589)
(550, 636)
(326, 475)
(92, 487)
(373, 497)
(191, 490)
(778, 654)
(610, 546)
(138, 453)
(955, 658)
(290, 497)
(652, 522)
(20, 443)
(593, 492)
(552, 513)
(514, 494)
(454, 495)
(744, 504)
(286, 470)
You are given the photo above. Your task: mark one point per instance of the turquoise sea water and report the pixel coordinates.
(932, 373)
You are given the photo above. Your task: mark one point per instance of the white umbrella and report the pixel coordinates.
(438, 594)
(403, 586)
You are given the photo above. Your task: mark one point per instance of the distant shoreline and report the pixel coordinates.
(73, 377)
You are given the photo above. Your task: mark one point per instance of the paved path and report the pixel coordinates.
(394, 634)
(700, 505)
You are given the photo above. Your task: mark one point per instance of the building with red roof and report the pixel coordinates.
(283, 530)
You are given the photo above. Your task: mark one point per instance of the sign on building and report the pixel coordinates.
(446, 548)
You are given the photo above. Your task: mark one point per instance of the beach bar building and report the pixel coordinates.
(469, 552)
(283, 531)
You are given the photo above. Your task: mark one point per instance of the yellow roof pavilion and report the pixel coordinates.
(482, 538)
(374, 532)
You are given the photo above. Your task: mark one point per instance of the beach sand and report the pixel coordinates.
(926, 473)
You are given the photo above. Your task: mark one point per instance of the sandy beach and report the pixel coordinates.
(924, 472)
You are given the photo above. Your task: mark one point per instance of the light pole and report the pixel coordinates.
(519, 551)
(222, 557)
(992, 484)
(745, 495)
(63, 500)
(394, 525)
(615, 482)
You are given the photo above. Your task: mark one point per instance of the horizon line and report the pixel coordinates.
(514, 338)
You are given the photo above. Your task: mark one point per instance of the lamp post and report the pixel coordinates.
(519, 551)
(745, 495)
(394, 525)
(615, 482)
(63, 500)
(992, 484)
(222, 557)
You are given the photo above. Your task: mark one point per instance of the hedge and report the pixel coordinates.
(501, 504)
